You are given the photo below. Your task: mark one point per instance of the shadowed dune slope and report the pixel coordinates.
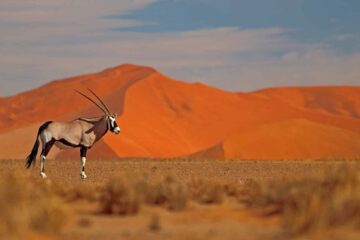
(343, 101)
(168, 118)
(291, 139)
(336, 106)
(162, 117)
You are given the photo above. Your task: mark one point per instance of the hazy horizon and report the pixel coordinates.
(184, 80)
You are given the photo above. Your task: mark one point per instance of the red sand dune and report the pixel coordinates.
(162, 117)
(344, 101)
(290, 139)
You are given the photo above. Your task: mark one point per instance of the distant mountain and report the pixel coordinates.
(162, 117)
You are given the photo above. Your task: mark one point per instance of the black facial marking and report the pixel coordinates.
(111, 124)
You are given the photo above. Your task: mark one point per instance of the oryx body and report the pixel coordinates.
(81, 133)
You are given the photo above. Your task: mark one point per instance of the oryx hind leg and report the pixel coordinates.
(47, 143)
(83, 151)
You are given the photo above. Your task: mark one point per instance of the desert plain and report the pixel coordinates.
(181, 199)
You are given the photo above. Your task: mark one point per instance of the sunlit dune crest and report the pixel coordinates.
(162, 117)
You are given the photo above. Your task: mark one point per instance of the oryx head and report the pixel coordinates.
(112, 125)
(110, 117)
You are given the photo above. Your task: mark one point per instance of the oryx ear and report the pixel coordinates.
(116, 115)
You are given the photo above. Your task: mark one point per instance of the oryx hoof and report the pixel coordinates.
(43, 175)
(83, 175)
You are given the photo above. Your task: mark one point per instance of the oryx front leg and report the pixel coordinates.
(83, 151)
(82, 170)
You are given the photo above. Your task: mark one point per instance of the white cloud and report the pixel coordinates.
(343, 37)
(172, 52)
(38, 21)
(311, 67)
(43, 40)
(33, 31)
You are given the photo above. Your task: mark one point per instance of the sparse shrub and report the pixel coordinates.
(231, 189)
(168, 191)
(248, 190)
(84, 222)
(81, 192)
(27, 206)
(154, 224)
(240, 189)
(119, 196)
(49, 215)
(206, 191)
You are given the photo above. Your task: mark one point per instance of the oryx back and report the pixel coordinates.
(77, 133)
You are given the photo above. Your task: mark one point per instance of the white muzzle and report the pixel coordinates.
(117, 130)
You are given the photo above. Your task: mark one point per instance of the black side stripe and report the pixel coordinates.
(67, 143)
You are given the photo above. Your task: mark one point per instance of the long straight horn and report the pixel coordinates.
(100, 100)
(91, 100)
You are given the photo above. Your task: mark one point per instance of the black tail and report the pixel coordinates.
(31, 159)
(32, 156)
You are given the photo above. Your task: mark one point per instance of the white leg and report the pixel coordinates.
(82, 169)
(42, 167)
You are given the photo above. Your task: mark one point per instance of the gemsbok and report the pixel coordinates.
(81, 132)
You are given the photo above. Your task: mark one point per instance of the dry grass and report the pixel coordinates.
(167, 191)
(307, 198)
(206, 191)
(309, 205)
(119, 196)
(124, 195)
(28, 206)
(81, 192)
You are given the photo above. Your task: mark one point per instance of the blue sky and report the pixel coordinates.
(237, 45)
(310, 21)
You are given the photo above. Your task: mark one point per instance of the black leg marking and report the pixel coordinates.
(47, 147)
(83, 151)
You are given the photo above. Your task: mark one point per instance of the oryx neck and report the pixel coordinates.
(93, 119)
